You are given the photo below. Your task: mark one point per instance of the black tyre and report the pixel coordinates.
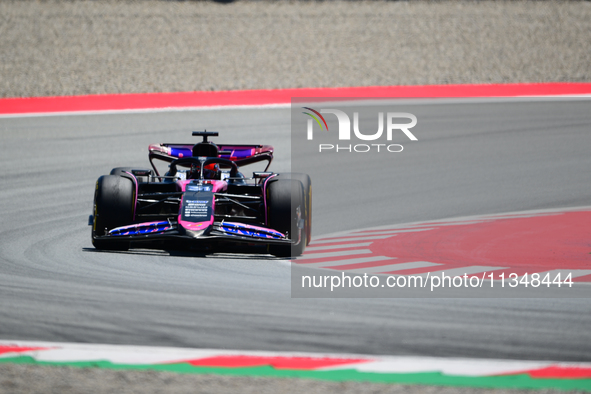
(113, 207)
(285, 204)
(307, 184)
(142, 174)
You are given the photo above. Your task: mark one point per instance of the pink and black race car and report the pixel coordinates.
(203, 201)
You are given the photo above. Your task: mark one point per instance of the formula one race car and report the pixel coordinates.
(203, 201)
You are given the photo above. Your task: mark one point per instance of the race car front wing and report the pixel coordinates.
(169, 230)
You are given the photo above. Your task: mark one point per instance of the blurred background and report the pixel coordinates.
(88, 47)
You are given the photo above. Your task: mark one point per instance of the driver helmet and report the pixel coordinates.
(211, 171)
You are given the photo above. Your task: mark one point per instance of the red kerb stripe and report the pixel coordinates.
(138, 101)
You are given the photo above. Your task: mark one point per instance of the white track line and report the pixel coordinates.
(352, 238)
(333, 254)
(147, 110)
(393, 231)
(314, 248)
(392, 267)
(348, 261)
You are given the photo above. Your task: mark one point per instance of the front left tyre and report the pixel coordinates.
(113, 207)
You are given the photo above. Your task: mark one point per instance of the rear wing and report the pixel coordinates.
(240, 154)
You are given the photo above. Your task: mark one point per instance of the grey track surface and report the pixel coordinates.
(88, 47)
(473, 158)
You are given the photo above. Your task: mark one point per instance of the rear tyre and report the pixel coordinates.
(113, 207)
(307, 184)
(285, 204)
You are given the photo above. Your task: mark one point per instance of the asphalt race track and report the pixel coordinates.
(480, 157)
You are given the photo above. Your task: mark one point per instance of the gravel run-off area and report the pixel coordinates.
(31, 379)
(91, 47)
